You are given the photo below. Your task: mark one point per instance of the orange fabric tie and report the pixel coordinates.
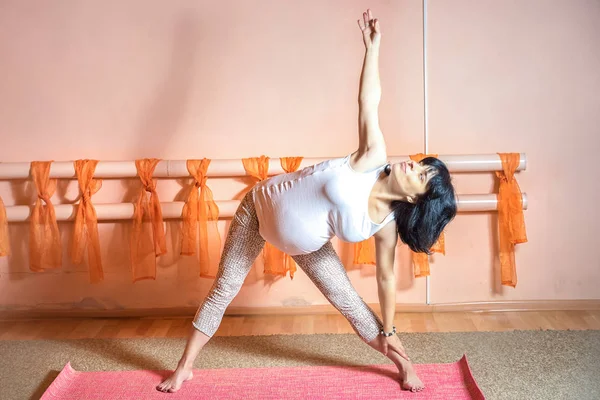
(421, 260)
(4, 242)
(85, 233)
(510, 217)
(144, 242)
(364, 252)
(45, 248)
(274, 262)
(420, 264)
(201, 207)
(258, 167)
(290, 164)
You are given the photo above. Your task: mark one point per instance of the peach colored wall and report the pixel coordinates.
(232, 79)
(520, 76)
(193, 79)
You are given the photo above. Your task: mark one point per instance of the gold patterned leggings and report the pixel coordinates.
(323, 267)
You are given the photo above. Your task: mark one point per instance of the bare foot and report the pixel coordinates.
(173, 383)
(408, 377)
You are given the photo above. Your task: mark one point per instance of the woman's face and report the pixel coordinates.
(410, 179)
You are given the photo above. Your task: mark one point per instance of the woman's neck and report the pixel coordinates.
(382, 194)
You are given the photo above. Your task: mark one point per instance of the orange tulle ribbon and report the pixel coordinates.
(45, 248)
(85, 233)
(510, 217)
(364, 252)
(421, 260)
(201, 211)
(257, 167)
(4, 242)
(147, 244)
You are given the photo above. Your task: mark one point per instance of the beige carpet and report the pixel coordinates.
(507, 365)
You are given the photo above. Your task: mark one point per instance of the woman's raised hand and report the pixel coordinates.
(370, 30)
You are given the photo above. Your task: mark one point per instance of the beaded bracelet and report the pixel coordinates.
(388, 334)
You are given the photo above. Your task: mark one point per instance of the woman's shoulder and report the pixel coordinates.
(388, 234)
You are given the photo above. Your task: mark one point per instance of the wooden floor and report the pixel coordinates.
(79, 328)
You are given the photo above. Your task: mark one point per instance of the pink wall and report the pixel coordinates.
(524, 77)
(233, 79)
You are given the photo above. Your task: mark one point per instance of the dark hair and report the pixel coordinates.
(421, 223)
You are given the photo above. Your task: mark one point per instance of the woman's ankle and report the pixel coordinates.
(185, 363)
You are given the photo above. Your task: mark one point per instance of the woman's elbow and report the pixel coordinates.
(369, 100)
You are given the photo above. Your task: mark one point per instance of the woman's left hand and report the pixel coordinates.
(392, 343)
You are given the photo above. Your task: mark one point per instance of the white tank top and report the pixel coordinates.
(299, 212)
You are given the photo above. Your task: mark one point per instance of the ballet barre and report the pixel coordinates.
(172, 210)
(234, 168)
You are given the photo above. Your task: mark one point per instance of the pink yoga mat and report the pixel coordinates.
(452, 381)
